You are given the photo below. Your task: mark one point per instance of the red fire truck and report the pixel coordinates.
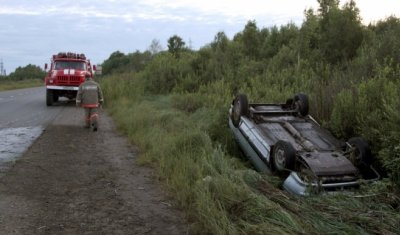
(67, 71)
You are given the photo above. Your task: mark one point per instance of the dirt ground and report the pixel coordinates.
(74, 181)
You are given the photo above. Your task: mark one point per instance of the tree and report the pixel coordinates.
(309, 37)
(137, 61)
(117, 59)
(28, 72)
(132, 62)
(325, 6)
(251, 40)
(387, 43)
(175, 45)
(155, 47)
(220, 42)
(274, 39)
(341, 32)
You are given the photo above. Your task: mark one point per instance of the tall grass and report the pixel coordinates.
(11, 85)
(184, 136)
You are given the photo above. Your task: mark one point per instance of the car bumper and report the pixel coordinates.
(294, 185)
(64, 88)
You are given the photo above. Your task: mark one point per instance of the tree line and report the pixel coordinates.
(25, 73)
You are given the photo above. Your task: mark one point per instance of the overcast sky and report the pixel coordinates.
(31, 31)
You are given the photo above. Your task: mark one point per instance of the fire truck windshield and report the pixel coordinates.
(58, 65)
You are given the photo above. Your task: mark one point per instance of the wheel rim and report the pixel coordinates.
(298, 105)
(357, 156)
(236, 111)
(279, 158)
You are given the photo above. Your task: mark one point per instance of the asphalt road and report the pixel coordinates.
(23, 117)
(26, 108)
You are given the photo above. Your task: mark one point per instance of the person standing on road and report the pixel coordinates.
(90, 97)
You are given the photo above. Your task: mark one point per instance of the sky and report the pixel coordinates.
(32, 31)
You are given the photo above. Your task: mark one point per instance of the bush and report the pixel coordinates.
(372, 111)
(166, 72)
(344, 115)
(188, 102)
(390, 135)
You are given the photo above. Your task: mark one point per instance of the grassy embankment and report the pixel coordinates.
(185, 137)
(11, 84)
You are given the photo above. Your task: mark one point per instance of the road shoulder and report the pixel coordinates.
(74, 181)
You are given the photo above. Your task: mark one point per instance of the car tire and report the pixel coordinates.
(240, 108)
(362, 156)
(283, 156)
(289, 102)
(301, 104)
(49, 97)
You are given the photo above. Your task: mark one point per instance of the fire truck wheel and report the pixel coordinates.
(49, 97)
(55, 97)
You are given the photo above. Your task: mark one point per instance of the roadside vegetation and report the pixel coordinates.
(12, 84)
(23, 77)
(174, 106)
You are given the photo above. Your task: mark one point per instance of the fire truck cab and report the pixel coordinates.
(66, 72)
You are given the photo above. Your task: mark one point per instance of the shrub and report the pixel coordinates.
(390, 135)
(344, 115)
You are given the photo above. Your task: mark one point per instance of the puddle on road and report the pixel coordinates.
(14, 142)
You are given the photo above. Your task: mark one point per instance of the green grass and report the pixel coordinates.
(12, 85)
(186, 139)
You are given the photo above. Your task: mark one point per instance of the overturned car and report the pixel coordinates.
(285, 140)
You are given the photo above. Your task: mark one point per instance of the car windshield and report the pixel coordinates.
(69, 65)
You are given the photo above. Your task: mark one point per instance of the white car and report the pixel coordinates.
(285, 140)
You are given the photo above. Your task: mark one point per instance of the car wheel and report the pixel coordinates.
(289, 104)
(49, 97)
(362, 155)
(301, 104)
(283, 156)
(240, 108)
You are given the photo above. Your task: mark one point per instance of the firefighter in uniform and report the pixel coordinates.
(90, 97)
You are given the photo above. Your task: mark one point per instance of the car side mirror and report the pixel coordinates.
(45, 66)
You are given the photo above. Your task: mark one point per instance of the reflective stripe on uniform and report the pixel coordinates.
(90, 105)
(95, 115)
(89, 87)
